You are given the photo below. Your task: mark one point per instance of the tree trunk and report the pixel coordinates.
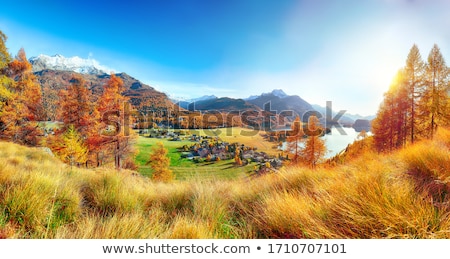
(433, 105)
(117, 155)
(412, 114)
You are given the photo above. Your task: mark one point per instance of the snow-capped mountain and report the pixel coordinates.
(75, 64)
(276, 92)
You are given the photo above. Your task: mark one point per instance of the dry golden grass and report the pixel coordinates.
(400, 195)
(428, 163)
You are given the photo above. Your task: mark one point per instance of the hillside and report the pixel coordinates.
(142, 96)
(367, 195)
(221, 104)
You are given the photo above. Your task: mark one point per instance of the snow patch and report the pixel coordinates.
(75, 64)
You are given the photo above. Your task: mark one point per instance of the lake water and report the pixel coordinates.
(336, 142)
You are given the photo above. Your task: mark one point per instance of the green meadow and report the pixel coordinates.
(184, 168)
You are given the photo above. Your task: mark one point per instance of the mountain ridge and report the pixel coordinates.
(220, 104)
(143, 97)
(275, 92)
(284, 103)
(74, 64)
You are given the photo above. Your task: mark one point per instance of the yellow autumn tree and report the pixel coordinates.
(237, 157)
(314, 149)
(160, 163)
(71, 147)
(5, 81)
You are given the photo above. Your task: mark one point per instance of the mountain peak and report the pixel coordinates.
(73, 64)
(276, 92)
(279, 93)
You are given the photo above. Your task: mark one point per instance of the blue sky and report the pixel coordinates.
(344, 51)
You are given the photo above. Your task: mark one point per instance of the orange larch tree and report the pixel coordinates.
(75, 106)
(77, 110)
(414, 78)
(116, 120)
(434, 104)
(20, 114)
(391, 127)
(314, 149)
(295, 138)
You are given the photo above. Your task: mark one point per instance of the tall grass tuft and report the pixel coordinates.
(118, 226)
(111, 192)
(429, 160)
(428, 164)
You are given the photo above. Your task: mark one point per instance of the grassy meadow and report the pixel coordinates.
(399, 195)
